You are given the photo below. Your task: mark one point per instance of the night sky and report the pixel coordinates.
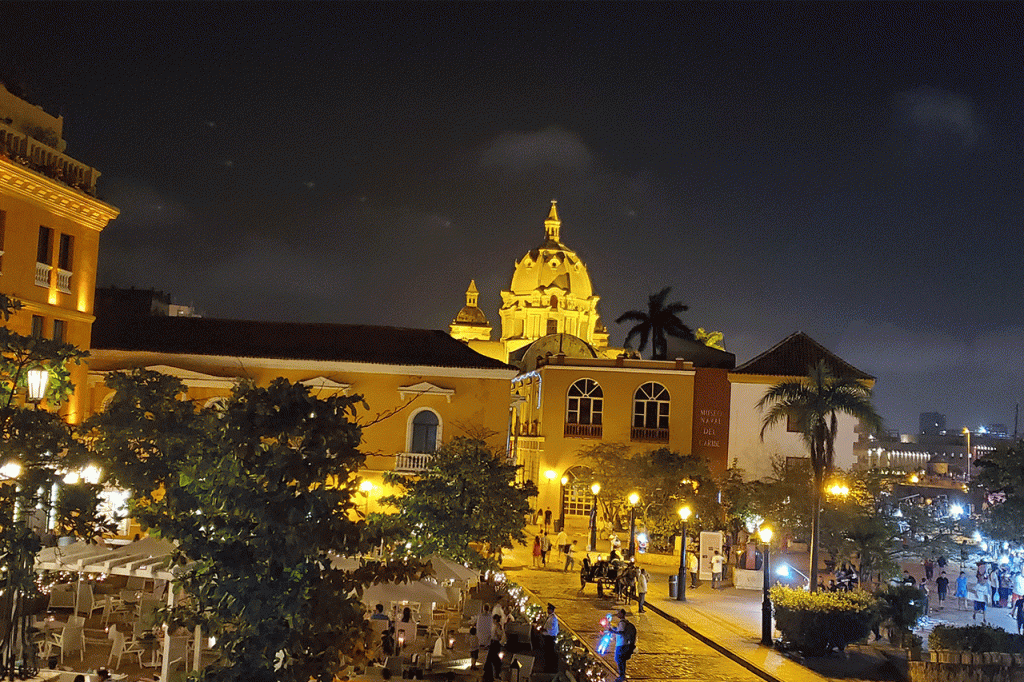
(852, 171)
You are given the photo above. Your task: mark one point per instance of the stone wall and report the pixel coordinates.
(957, 666)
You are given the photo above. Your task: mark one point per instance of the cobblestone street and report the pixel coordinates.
(664, 651)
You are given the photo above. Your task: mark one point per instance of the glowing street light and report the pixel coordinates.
(595, 488)
(765, 533)
(684, 514)
(37, 380)
(366, 487)
(633, 498)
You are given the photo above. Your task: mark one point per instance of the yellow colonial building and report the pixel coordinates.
(421, 386)
(50, 224)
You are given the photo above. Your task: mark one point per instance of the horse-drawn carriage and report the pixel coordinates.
(614, 573)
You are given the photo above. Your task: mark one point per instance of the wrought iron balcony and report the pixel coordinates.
(583, 430)
(643, 435)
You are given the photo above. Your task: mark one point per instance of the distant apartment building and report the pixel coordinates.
(932, 424)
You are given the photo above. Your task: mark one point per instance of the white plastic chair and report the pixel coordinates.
(122, 648)
(71, 638)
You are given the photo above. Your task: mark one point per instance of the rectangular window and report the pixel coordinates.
(552, 326)
(64, 259)
(59, 330)
(792, 424)
(44, 250)
(37, 326)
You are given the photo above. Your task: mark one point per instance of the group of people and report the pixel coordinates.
(845, 580)
(542, 549)
(389, 642)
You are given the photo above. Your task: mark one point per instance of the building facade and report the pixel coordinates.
(50, 224)
(421, 387)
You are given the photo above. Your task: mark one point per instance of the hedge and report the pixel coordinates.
(975, 638)
(814, 624)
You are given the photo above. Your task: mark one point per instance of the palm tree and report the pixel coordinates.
(815, 403)
(657, 323)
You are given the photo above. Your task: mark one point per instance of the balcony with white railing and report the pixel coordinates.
(412, 462)
(43, 275)
(43, 158)
(64, 281)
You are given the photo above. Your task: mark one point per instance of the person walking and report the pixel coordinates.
(716, 571)
(691, 566)
(625, 644)
(483, 635)
(641, 588)
(925, 593)
(492, 666)
(980, 597)
(562, 542)
(545, 547)
(942, 586)
(536, 551)
(1018, 586)
(993, 586)
(961, 591)
(929, 568)
(1017, 611)
(547, 519)
(550, 632)
(570, 556)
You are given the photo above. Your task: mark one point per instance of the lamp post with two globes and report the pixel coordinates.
(684, 514)
(634, 498)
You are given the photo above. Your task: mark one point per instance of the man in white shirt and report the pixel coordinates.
(716, 571)
(562, 541)
(1018, 588)
(550, 632)
(641, 588)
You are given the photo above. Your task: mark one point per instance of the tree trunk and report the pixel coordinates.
(815, 523)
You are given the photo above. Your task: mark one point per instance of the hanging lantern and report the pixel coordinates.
(38, 378)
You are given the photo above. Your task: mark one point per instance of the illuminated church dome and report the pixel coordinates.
(552, 265)
(471, 323)
(550, 293)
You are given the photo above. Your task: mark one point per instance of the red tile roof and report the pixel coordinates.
(794, 355)
(287, 340)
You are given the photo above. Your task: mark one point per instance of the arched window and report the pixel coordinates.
(584, 409)
(424, 431)
(650, 413)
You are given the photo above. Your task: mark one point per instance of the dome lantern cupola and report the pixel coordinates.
(552, 226)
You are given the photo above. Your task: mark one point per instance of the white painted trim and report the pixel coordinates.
(627, 370)
(408, 427)
(425, 388)
(317, 365)
(325, 384)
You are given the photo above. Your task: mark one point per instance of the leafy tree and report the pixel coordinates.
(36, 448)
(665, 481)
(257, 495)
(999, 474)
(468, 495)
(657, 323)
(815, 403)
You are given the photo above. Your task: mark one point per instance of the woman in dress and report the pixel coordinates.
(536, 551)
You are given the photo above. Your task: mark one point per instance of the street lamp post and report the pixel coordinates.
(684, 514)
(561, 503)
(633, 499)
(766, 604)
(594, 488)
(366, 487)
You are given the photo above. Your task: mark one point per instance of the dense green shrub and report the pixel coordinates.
(814, 624)
(975, 638)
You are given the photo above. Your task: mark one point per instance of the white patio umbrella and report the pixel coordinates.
(421, 591)
(446, 569)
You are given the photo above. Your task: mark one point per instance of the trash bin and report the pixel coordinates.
(673, 587)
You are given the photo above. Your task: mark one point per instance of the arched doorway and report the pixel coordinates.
(577, 499)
